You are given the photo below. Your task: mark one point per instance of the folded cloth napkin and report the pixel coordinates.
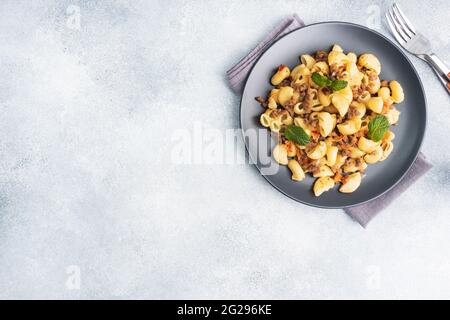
(365, 212)
(237, 76)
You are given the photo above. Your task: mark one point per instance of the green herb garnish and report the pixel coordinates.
(296, 135)
(320, 80)
(378, 127)
(338, 85)
(323, 81)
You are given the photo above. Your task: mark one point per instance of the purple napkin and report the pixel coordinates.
(365, 212)
(362, 213)
(238, 74)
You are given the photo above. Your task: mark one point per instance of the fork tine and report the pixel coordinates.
(408, 23)
(394, 31)
(400, 20)
(398, 24)
(395, 27)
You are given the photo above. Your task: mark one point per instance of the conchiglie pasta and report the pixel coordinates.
(384, 93)
(285, 95)
(388, 136)
(346, 92)
(356, 153)
(337, 48)
(387, 150)
(307, 60)
(274, 94)
(352, 57)
(297, 172)
(331, 109)
(324, 171)
(397, 91)
(340, 160)
(352, 165)
(300, 122)
(367, 145)
(341, 103)
(298, 108)
(318, 151)
(285, 118)
(352, 182)
(393, 115)
(322, 67)
(374, 82)
(272, 104)
(375, 104)
(364, 97)
(265, 120)
(322, 185)
(300, 71)
(324, 98)
(314, 115)
(370, 61)
(338, 58)
(295, 97)
(332, 152)
(354, 77)
(350, 126)
(374, 156)
(279, 153)
(360, 109)
(275, 125)
(290, 148)
(317, 107)
(327, 122)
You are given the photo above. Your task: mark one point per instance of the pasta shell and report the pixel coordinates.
(322, 185)
(350, 126)
(332, 153)
(374, 156)
(307, 60)
(367, 145)
(324, 171)
(356, 153)
(327, 122)
(297, 172)
(352, 182)
(369, 61)
(397, 91)
(387, 150)
(341, 103)
(375, 104)
(280, 154)
(282, 73)
(285, 95)
(393, 115)
(318, 152)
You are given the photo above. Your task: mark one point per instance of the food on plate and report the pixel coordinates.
(333, 114)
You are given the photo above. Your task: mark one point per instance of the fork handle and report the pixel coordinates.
(438, 65)
(443, 80)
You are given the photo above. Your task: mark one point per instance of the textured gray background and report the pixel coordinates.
(87, 179)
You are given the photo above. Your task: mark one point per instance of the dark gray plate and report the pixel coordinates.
(409, 133)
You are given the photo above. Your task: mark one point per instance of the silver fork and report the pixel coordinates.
(415, 43)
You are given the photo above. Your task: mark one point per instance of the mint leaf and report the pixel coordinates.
(296, 135)
(378, 127)
(338, 85)
(323, 81)
(320, 80)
